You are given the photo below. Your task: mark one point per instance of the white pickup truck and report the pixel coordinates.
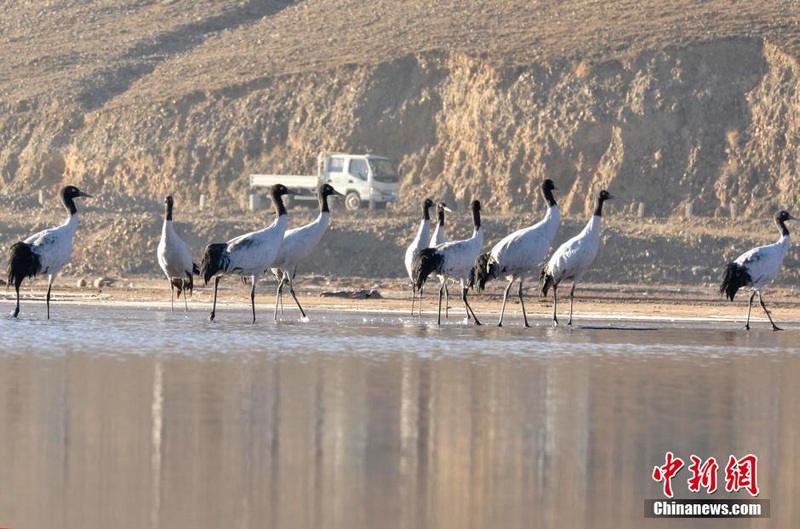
(361, 178)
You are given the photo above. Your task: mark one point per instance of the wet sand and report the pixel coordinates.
(592, 301)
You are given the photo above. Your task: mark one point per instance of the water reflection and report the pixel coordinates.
(169, 421)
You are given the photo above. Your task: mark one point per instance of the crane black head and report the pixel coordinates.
(602, 197)
(326, 190)
(547, 192)
(276, 192)
(780, 218)
(427, 204)
(323, 192)
(441, 207)
(68, 194)
(169, 202)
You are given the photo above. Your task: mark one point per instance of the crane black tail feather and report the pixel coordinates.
(214, 261)
(186, 285)
(482, 272)
(735, 277)
(426, 262)
(545, 282)
(22, 263)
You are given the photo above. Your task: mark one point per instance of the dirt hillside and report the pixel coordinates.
(664, 103)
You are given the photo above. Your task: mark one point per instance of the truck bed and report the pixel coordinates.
(293, 182)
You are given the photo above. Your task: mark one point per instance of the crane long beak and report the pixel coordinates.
(337, 193)
(447, 209)
(87, 195)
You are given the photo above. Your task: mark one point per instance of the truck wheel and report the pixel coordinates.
(352, 201)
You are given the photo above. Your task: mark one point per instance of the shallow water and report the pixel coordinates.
(121, 417)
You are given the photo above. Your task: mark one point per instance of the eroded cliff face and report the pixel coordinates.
(715, 123)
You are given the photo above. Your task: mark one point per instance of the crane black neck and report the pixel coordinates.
(69, 202)
(441, 217)
(168, 208)
(476, 217)
(277, 201)
(323, 203)
(548, 197)
(598, 207)
(426, 214)
(782, 227)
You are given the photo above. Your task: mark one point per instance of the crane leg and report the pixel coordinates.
(555, 306)
(49, 287)
(185, 302)
(522, 303)
(291, 291)
(749, 309)
(571, 298)
(446, 300)
(761, 301)
(505, 299)
(171, 294)
(16, 288)
(254, 280)
(466, 304)
(439, 315)
(214, 303)
(279, 296)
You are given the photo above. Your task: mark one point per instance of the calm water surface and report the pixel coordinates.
(126, 418)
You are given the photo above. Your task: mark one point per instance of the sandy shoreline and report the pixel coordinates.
(592, 301)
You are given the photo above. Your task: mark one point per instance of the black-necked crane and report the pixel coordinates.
(175, 258)
(248, 255)
(574, 257)
(453, 260)
(298, 243)
(45, 252)
(440, 237)
(421, 240)
(522, 253)
(757, 268)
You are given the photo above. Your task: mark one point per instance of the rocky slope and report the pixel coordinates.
(665, 103)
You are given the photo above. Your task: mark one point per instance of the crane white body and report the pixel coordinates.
(421, 240)
(248, 255)
(440, 237)
(47, 251)
(758, 267)
(298, 244)
(573, 258)
(451, 260)
(53, 246)
(522, 253)
(175, 258)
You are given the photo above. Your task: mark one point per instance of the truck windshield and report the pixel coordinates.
(384, 171)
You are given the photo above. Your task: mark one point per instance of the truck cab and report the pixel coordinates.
(362, 178)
